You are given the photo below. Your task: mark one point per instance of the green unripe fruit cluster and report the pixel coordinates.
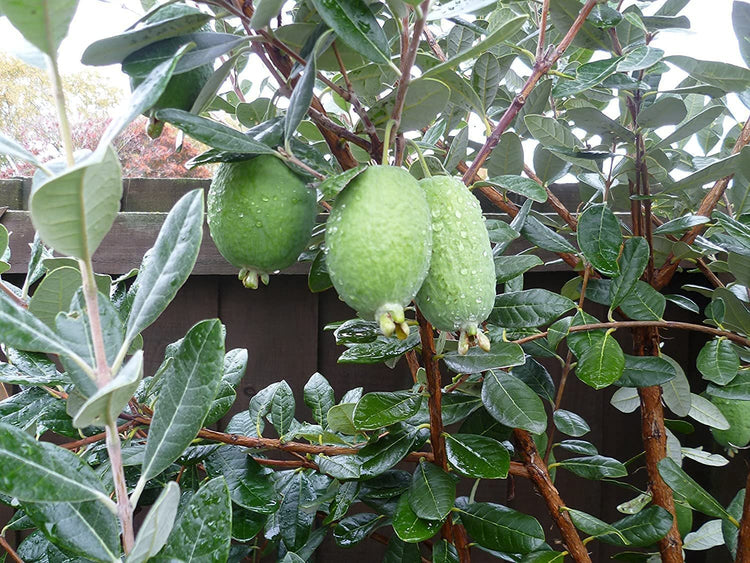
(379, 243)
(459, 291)
(260, 215)
(737, 414)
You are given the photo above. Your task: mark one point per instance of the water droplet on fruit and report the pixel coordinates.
(259, 224)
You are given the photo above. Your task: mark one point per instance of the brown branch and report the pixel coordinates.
(93, 439)
(10, 551)
(325, 121)
(666, 272)
(642, 324)
(542, 30)
(743, 540)
(13, 297)
(541, 66)
(540, 477)
(286, 463)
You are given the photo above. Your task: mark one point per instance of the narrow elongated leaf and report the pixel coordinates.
(632, 263)
(282, 407)
(380, 409)
(728, 530)
(692, 125)
(410, 527)
(718, 361)
(43, 23)
(296, 513)
(601, 365)
(640, 530)
(500, 528)
(512, 403)
(480, 457)
(42, 472)
(249, 487)
(519, 185)
(456, 8)
(356, 25)
(87, 529)
(676, 391)
(299, 101)
(705, 412)
(502, 355)
(202, 532)
(432, 491)
(594, 467)
(544, 237)
(529, 308)
(154, 532)
(73, 211)
(686, 487)
(168, 263)
(728, 77)
(591, 525)
(185, 398)
(12, 148)
(588, 76)
(645, 371)
(353, 529)
(600, 238)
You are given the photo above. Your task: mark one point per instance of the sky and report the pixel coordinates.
(710, 37)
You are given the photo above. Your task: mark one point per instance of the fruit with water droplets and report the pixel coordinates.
(459, 291)
(378, 245)
(260, 215)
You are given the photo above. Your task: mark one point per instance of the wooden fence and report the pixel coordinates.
(281, 325)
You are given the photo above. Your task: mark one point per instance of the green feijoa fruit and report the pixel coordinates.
(737, 414)
(260, 215)
(459, 291)
(378, 245)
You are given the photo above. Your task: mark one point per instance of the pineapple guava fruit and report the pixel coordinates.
(260, 215)
(459, 291)
(378, 245)
(737, 414)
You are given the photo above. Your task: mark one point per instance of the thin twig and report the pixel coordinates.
(93, 439)
(743, 540)
(553, 200)
(10, 551)
(542, 30)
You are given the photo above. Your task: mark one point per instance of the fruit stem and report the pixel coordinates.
(387, 140)
(422, 161)
(62, 116)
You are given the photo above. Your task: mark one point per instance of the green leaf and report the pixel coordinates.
(570, 423)
(353, 529)
(499, 528)
(640, 530)
(517, 184)
(601, 365)
(43, 23)
(529, 308)
(728, 530)
(664, 111)
(644, 303)
(600, 238)
(681, 224)
(318, 395)
(249, 486)
(87, 529)
(331, 186)
(265, 11)
(114, 49)
(646, 371)
(185, 398)
(380, 409)
(386, 452)
(408, 526)
(507, 158)
(686, 488)
(485, 79)
(591, 525)
(42, 472)
(30, 368)
(54, 294)
(640, 58)
(356, 25)
(302, 95)
(282, 407)
(594, 467)
(154, 532)
(728, 77)
(718, 361)
(705, 412)
(509, 267)
(595, 122)
(588, 76)
(476, 456)
(168, 263)
(632, 263)
(104, 406)
(512, 403)
(12, 148)
(381, 349)
(341, 467)
(75, 210)
(550, 132)
(692, 125)
(505, 31)
(401, 552)
(455, 8)
(707, 536)
(202, 532)
(676, 391)
(444, 552)
(741, 24)
(432, 492)
(502, 355)
(542, 236)
(295, 517)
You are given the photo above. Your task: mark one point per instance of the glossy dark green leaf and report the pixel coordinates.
(331, 186)
(282, 407)
(353, 529)
(686, 488)
(444, 552)
(535, 375)
(738, 389)
(529, 308)
(570, 423)
(632, 263)
(296, 512)
(499, 528)
(380, 409)
(341, 467)
(645, 371)
(401, 552)
(168, 263)
(480, 457)
(718, 361)
(594, 467)
(344, 498)
(432, 492)
(42, 472)
(299, 101)
(579, 447)
(644, 303)
(600, 238)
(591, 525)
(156, 527)
(202, 532)
(115, 49)
(87, 529)
(249, 487)
(542, 236)
(729, 531)
(43, 23)
(601, 365)
(318, 279)
(30, 368)
(410, 527)
(476, 360)
(185, 397)
(681, 224)
(318, 395)
(386, 452)
(519, 185)
(512, 403)
(381, 349)
(357, 26)
(642, 529)
(588, 76)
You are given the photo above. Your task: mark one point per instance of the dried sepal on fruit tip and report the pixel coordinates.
(392, 319)
(471, 335)
(249, 278)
